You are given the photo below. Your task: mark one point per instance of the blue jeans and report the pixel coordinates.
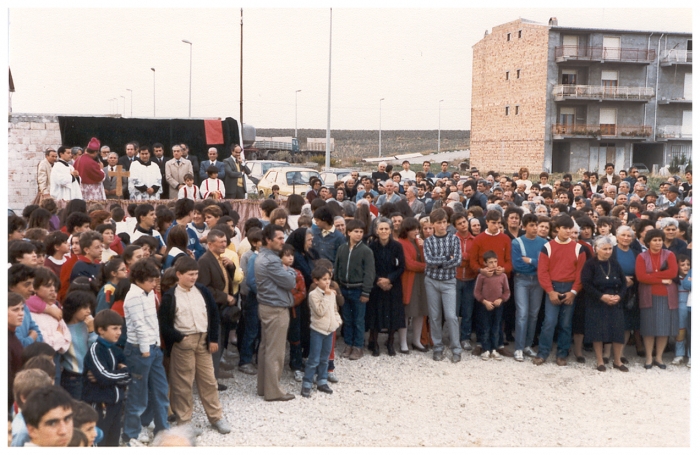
(354, 317)
(528, 299)
(317, 363)
(683, 317)
(147, 375)
(251, 332)
(491, 327)
(556, 316)
(442, 301)
(465, 307)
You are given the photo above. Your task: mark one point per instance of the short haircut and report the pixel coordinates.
(106, 227)
(188, 177)
(142, 271)
(252, 223)
(287, 250)
(151, 242)
(563, 220)
(353, 224)
(493, 215)
(407, 225)
(145, 148)
(457, 216)
(87, 238)
(214, 234)
(269, 232)
(45, 277)
(117, 214)
(16, 223)
(43, 362)
(17, 250)
(186, 264)
(490, 255)
(213, 210)
(76, 301)
(42, 400)
(544, 174)
(267, 206)
(183, 207)
(652, 234)
(437, 215)
(141, 211)
(604, 221)
(324, 214)
(682, 258)
(319, 272)
(14, 299)
(444, 162)
(528, 218)
(75, 220)
(27, 381)
(83, 413)
(106, 318)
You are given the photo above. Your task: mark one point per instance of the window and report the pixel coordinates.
(517, 74)
(520, 34)
(517, 109)
(608, 79)
(507, 75)
(507, 110)
(568, 77)
(508, 37)
(608, 121)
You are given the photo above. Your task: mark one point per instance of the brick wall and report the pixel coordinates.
(507, 142)
(28, 137)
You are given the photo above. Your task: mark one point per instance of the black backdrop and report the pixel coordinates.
(117, 132)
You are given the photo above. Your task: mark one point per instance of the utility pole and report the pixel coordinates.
(189, 112)
(380, 126)
(154, 91)
(439, 106)
(328, 125)
(132, 102)
(241, 83)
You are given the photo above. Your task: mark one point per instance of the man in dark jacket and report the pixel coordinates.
(236, 172)
(194, 160)
(473, 197)
(160, 161)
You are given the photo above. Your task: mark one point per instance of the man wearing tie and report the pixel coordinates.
(194, 160)
(175, 171)
(126, 162)
(213, 154)
(160, 160)
(110, 183)
(236, 171)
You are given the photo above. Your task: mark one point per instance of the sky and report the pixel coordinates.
(74, 60)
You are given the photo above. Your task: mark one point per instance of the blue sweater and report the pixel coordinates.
(327, 247)
(72, 360)
(192, 243)
(28, 324)
(532, 250)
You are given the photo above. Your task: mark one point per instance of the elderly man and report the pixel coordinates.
(390, 196)
(104, 154)
(145, 182)
(91, 173)
(176, 170)
(43, 172)
(65, 180)
(417, 207)
(110, 182)
(640, 189)
(380, 174)
(275, 282)
(212, 153)
(236, 172)
(624, 187)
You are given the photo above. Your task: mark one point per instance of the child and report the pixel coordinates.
(55, 333)
(106, 376)
(189, 191)
(683, 313)
(85, 420)
(604, 226)
(686, 283)
(212, 187)
(76, 313)
(275, 193)
(25, 382)
(56, 250)
(113, 271)
(491, 290)
(339, 300)
(15, 317)
(107, 231)
(294, 330)
(324, 321)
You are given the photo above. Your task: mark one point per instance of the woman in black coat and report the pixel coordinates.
(605, 284)
(300, 321)
(385, 309)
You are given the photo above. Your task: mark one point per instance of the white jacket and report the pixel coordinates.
(144, 175)
(63, 186)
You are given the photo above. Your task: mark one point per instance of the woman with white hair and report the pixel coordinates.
(417, 207)
(670, 228)
(605, 285)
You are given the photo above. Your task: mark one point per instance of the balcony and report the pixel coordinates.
(673, 132)
(601, 54)
(602, 93)
(676, 57)
(576, 131)
(664, 100)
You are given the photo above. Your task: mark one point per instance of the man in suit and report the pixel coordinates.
(194, 160)
(175, 171)
(110, 183)
(216, 273)
(104, 154)
(43, 173)
(212, 153)
(236, 171)
(126, 161)
(473, 197)
(160, 160)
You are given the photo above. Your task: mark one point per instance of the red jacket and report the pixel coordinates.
(413, 265)
(90, 171)
(464, 271)
(499, 244)
(561, 262)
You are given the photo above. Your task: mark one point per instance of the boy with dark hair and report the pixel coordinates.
(48, 413)
(21, 281)
(85, 420)
(266, 207)
(145, 223)
(326, 239)
(16, 226)
(56, 250)
(88, 264)
(183, 216)
(492, 291)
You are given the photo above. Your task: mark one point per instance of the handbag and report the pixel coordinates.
(230, 314)
(631, 300)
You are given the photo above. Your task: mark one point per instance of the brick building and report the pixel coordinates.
(563, 99)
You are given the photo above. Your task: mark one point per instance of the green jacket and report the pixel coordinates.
(355, 269)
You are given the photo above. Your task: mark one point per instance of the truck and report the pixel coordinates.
(285, 148)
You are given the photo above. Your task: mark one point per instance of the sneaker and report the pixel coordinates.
(467, 345)
(561, 361)
(222, 426)
(306, 392)
(332, 377)
(298, 375)
(518, 355)
(135, 443)
(486, 355)
(356, 353)
(496, 355)
(677, 360)
(456, 357)
(437, 356)
(195, 430)
(227, 366)
(325, 389)
(528, 351)
(248, 368)
(144, 436)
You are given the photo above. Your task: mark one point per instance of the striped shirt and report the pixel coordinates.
(141, 318)
(442, 256)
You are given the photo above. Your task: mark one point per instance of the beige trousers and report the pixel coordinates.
(274, 322)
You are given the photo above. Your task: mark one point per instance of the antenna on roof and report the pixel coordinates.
(553, 21)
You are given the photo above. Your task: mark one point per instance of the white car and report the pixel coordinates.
(258, 168)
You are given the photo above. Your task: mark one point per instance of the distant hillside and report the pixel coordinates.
(353, 144)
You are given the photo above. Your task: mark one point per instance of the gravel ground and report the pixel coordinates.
(411, 400)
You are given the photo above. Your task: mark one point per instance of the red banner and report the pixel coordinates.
(213, 132)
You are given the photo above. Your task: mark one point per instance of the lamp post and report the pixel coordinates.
(154, 91)
(190, 108)
(439, 106)
(380, 126)
(123, 105)
(296, 96)
(131, 92)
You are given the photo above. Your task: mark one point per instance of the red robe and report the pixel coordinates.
(90, 171)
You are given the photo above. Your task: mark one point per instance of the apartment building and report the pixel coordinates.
(563, 99)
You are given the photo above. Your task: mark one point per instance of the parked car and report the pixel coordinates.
(642, 168)
(331, 176)
(258, 168)
(291, 180)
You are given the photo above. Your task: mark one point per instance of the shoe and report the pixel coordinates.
(375, 350)
(496, 355)
(298, 375)
(306, 392)
(227, 366)
(172, 418)
(486, 355)
(356, 353)
(528, 351)
(390, 349)
(437, 356)
(688, 364)
(477, 350)
(456, 357)
(248, 368)
(194, 430)
(518, 355)
(135, 443)
(332, 377)
(648, 366)
(601, 368)
(504, 352)
(561, 361)
(606, 360)
(371, 345)
(404, 352)
(222, 426)
(621, 367)
(624, 360)
(346, 353)
(325, 389)
(221, 387)
(285, 397)
(467, 345)
(641, 353)
(416, 348)
(538, 361)
(677, 360)
(660, 365)
(224, 374)
(143, 436)
(580, 359)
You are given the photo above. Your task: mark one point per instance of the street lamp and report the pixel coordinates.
(123, 105)
(132, 102)
(296, 96)
(154, 91)
(190, 43)
(380, 126)
(439, 106)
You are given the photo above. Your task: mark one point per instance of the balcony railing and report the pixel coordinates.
(596, 131)
(599, 53)
(673, 132)
(598, 92)
(676, 56)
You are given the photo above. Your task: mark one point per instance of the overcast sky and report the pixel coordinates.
(72, 61)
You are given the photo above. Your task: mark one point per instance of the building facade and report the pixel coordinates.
(565, 99)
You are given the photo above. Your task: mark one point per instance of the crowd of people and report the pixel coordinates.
(494, 265)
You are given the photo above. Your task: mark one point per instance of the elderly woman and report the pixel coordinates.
(671, 242)
(625, 253)
(417, 207)
(413, 283)
(605, 284)
(658, 296)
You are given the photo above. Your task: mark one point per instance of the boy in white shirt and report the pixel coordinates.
(189, 191)
(213, 187)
